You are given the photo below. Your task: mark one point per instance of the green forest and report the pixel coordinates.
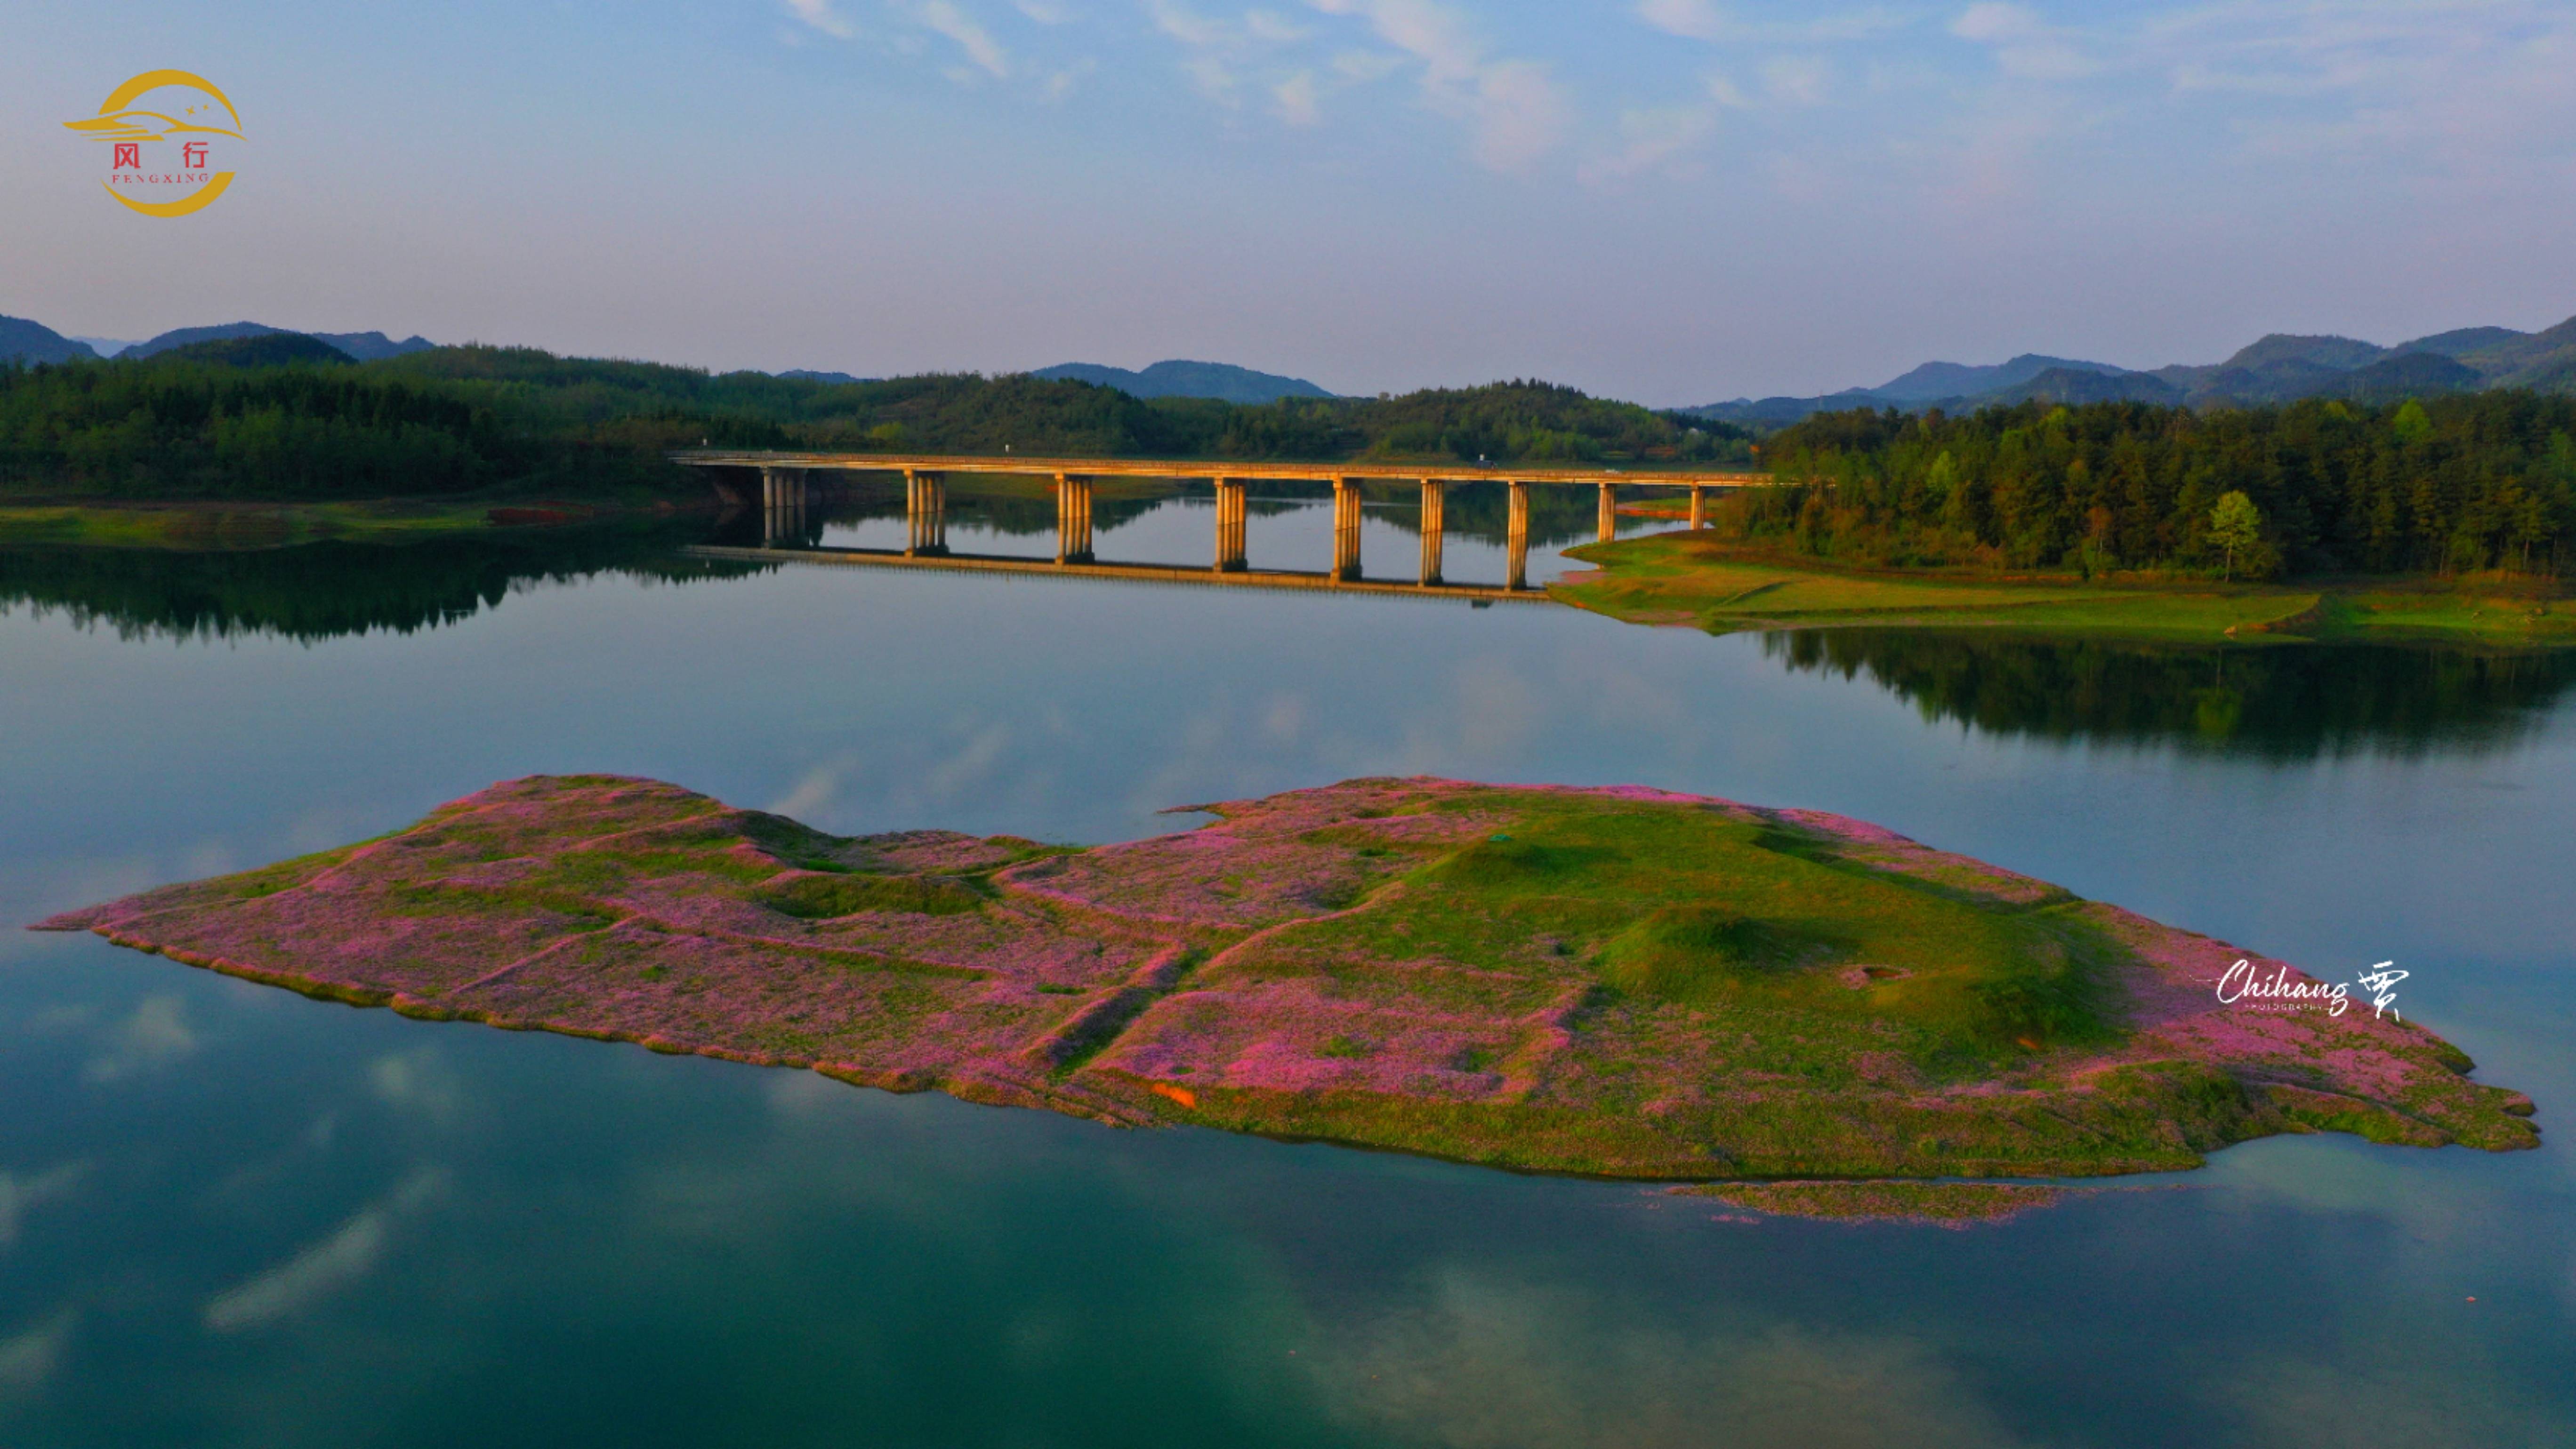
(204, 422)
(2483, 481)
(2465, 483)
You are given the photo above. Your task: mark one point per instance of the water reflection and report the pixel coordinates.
(2285, 702)
(326, 590)
(1024, 508)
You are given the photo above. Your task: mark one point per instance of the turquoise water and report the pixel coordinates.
(234, 1216)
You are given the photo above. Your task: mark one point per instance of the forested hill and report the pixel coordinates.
(460, 419)
(2446, 484)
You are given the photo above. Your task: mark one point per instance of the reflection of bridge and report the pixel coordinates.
(784, 478)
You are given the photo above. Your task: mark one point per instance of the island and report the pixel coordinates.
(1610, 981)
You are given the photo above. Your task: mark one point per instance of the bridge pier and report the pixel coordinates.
(1609, 511)
(926, 509)
(1349, 518)
(1232, 509)
(1699, 506)
(1072, 519)
(782, 504)
(1435, 509)
(1516, 537)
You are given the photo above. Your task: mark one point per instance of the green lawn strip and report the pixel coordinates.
(1682, 577)
(221, 527)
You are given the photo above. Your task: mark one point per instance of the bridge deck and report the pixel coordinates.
(1010, 463)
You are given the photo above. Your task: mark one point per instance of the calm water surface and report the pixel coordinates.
(233, 1216)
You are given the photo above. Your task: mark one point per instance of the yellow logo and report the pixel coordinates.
(183, 127)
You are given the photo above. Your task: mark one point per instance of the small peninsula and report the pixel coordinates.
(1617, 981)
(1700, 580)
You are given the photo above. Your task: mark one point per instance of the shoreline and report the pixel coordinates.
(1693, 580)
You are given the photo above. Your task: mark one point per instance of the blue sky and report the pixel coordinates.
(1669, 200)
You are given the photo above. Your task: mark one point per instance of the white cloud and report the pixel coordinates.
(1220, 49)
(1297, 99)
(820, 15)
(1690, 19)
(1189, 27)
(1360, 66)
(347, 1255)
(19, 1193)
(2024, 45)
(1702, 20)
(1513, 108)
(1796, 80)
(946, 18)
(1654, 137)
(1271, 29)
(28, 1359)
(1061, 83)
(815, 789)
(155, 1035)
(417, 1081)
(1520, 116)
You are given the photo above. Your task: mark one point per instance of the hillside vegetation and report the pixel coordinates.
(2443, 485)
(207, 421)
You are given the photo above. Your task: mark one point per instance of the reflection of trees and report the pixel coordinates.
(2280, 702)
(322, 590)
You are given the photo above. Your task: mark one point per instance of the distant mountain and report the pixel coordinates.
(362, 346)
(2075, 386)
(2466, 339)
(2537, 359)
(2281, 367)
(264, 349)
(1188, 379)
(1779, 412)
(802, 374)
(2402, 375)
(1935, 380)
(25, 341)
(2338, 354)
(183, 336)
(105, 346)
(368, 346)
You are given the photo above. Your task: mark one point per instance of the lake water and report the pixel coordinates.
(233, 1216)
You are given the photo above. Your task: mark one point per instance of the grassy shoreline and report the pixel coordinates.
(1695, 579)
(220, 527)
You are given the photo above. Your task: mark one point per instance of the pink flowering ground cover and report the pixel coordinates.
(1621, 981)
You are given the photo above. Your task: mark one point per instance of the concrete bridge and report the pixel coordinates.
(785, 478)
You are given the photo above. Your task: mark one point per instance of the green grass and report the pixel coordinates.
(1698, 909)
(822, 897)
(224, 527)
(1693, 578)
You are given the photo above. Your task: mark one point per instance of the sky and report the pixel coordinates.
(1672, 201)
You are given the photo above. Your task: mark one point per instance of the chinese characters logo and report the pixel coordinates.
(170, 131)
